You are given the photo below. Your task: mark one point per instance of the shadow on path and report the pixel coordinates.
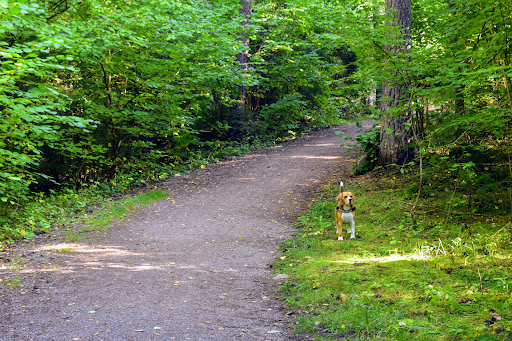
(193, 266)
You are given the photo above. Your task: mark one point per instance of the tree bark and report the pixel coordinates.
(396, 131)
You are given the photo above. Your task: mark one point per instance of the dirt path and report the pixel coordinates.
(194, 266)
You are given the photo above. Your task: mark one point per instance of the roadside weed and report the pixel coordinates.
(16, 265)
(429, 279)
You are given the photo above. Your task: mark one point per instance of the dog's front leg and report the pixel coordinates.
(353, 229)
(339, 226)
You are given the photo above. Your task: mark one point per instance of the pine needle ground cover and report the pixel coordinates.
(444, 276)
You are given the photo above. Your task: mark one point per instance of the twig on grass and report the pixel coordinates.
(501, 229)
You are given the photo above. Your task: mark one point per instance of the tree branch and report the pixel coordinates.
(55, 5)
(105, 81)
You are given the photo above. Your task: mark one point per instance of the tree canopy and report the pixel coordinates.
(119, 93)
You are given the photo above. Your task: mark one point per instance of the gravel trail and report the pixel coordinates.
(193, 266)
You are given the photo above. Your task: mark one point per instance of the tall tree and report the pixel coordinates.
(396, 131)
(237, 117)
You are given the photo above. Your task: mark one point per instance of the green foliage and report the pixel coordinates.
(33, 113)
(441, 277)
(370, 144)
(459, 72)
(42, 213)
(468, 183)
(115, 96)
(471, 87)
(301, 68)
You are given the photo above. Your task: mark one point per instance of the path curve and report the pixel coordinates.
(193, 266)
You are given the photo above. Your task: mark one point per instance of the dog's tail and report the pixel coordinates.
(341, 186)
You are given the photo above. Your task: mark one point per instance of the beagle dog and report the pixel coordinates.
(344, 212)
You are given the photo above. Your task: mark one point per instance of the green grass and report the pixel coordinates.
(429, 279)
(113, 211)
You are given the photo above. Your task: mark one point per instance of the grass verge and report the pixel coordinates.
(446, 275)
(111, 211)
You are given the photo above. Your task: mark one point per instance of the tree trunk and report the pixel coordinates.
(396, 131)
(237, 117)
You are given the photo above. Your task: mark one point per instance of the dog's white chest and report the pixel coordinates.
(347, 217)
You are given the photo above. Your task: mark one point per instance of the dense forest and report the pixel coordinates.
(110, 95)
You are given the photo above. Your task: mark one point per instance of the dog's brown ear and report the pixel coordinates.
(339, 199)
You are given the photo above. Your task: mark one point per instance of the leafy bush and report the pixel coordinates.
(370, 145)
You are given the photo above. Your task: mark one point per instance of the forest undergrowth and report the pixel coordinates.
(442, 274)
(50, 210)
(99, 97)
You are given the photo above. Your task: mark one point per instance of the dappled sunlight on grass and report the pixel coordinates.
(383, 259)
(397, 280)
